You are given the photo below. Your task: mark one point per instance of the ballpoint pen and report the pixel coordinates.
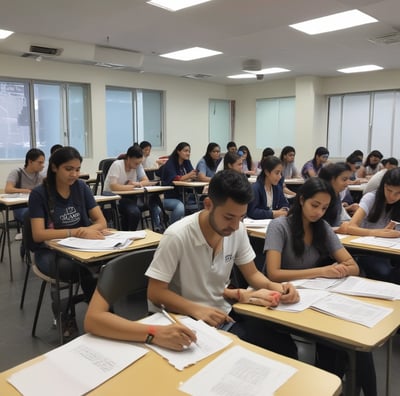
(172, 318)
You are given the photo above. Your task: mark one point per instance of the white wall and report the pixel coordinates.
(187, 104)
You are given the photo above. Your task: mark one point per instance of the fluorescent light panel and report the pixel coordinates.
(330, 23)
(360, 69)
(191, 54)
(5, 33)
(175, 5)
(240, 76)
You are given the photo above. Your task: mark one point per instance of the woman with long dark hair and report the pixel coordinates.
(207, 166)
(303, 245)
(269, 201)
(311, 168)
(177, 168)
(371, 165)
(248, 166)
(61, 207)
(377, 215)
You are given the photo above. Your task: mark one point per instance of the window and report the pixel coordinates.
(275, 122)
(364, 121)
(221, 121)
(133, 115)
(41, 114)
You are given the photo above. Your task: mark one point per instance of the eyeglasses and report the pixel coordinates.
(216, 151)
(325, 156)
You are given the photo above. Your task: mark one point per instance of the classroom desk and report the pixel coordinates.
(84, 257)
(356, 191)
(347, 335)
(193, 187)
(10, 202)
(354, 246)
(152, 375)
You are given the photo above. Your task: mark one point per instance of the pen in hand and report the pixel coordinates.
(172, 318)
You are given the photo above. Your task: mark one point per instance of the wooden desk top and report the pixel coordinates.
(190, 183)
(142, 190)
(106, 198)
(348, 334)
(13, 199)
(152, 375)
(152, 239)
(348, 243)
(297, 180)
(357, 187)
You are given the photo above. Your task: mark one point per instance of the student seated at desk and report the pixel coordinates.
(124, 175)
(193, 263)
(371, 165)
(303, 245)
(248, 165)
(207, 166)
(101, 322)
(64, 206)
(177, 168)
(338, 176)
(289, 170)
(374, 181)
(311, 168)
(374, 218)
(23, 180)
(269, 201)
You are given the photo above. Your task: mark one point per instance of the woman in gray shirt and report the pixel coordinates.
(303, 245)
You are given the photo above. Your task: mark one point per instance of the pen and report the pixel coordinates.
(171, 317)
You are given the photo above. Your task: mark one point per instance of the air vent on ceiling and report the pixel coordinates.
(390, 38)
(38, 49)
(251, 65)
(197, 76)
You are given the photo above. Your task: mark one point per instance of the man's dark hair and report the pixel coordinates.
(32, 155)
(230, 184)
(230, 144)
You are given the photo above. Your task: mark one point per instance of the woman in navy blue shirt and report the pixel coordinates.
(177, 168)
(269, 200)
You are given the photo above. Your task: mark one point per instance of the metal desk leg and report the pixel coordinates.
(389, 346)
(350, 388)
(7, 236)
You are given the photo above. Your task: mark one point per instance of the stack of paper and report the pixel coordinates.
(77, 367)
(392, 243)
(209, 341)
(256, 223)
(117, 240)
(336, 305)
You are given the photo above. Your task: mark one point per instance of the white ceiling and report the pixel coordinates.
(241, 29)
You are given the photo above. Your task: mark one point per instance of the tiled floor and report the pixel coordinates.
(17, 345)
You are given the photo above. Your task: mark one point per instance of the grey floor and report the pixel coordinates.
(17, 344)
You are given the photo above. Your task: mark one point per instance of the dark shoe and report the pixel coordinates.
(69, 327)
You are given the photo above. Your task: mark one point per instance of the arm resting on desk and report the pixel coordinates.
(159, 293)
(99, 321)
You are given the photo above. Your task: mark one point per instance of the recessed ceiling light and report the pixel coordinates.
(5, 33)
(175, 5)
(270, 70)
(191, 54)
(330, 23)
(239, 76)
(360, 69)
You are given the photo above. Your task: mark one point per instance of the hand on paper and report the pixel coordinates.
(175, 336)
(290, 294)
(263, 297)
(212, 316)
(88, 233)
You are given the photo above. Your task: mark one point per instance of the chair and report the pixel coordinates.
(30, 263)
(122, 281)
(104, 166)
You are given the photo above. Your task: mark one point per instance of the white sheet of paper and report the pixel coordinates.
(239, 372)
(77, 367)
(357, 286)
(256, 223)
(393, 243)
(209, 341)
(316, 283)
(307, 298)
(110, 242)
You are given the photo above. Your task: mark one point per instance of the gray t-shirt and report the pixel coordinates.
(28, 180)
(279, 237)
(366, 203)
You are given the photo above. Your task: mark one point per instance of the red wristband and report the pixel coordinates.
(151, 332)
(238, 295)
